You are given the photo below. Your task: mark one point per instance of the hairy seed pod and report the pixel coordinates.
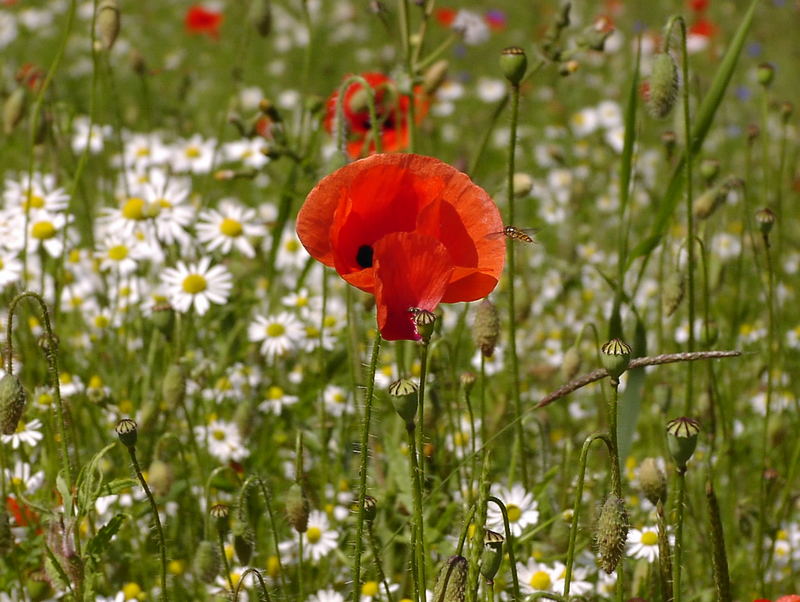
(682, 439)
(297, 508)
(107, 22)
(12, 403)
(674, 288)
(6, 536)
(652, 481)
(160, 477)
(243, 541)
(486, 328)
(173, 387)
(492, 555)
(207, 562)
(663, 86)
(451, 583)
(611, 533)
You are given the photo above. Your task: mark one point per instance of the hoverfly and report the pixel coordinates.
(514, 233)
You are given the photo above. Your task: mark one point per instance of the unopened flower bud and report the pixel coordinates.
(127, 432)
(220, 512)
(404, 394)
(451, 583)
(522, 184)
(664, 83)
(492, 555)
(513, 64)
(787, 109)
(709, 169)
(765, 73)
(668, 139)
(173, 388)
(752, 131)
(486, 328)
(568, 67)
(682, 439)
(107, 23)
(243, 541)
(434, 76)
(467, 381)
(12, 403)
(653, 481)
(297, 508)
(571, 363)
(615, 356)
(611, 533)
(13, 110)
(163, 318)
(766, 219)
(207, 562)
(674, 288)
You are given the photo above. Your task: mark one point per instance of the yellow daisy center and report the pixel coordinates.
(2, 265)
(34, 201)
(514, 513)
(292, 246)
(541, 580)
(95, 382)
(230, 227)
(194, 283)
(275, 393)
(273, 566)
(218, 435)
(134, 209)
(314, 534)
(131, 591)
(192, 152)
(118, 252)
(275, 330)
(370, 588)
(16, 481)
(101, 321)
(142, 151)
(43, 230)
(649, 538)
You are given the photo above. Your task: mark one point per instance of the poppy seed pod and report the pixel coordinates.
(424, 320)
(682, 440)
(615, 356)
(107, 23)
(513, 64)
(127, 432)
(486, 328)
(404, 399)
(765, 73)
(12, 403)
(370, 508)
(663, 86)
(766, 219)
(492, 555)
(611, 533)
(451, 583)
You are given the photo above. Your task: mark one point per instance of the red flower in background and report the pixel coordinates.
(409, 229)
(698, 6)
(789, 598)
(199, 20)
(704, 28)
(391, 110)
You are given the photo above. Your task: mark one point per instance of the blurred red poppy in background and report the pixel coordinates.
(200, 20)
(391, 110)
(409, 229)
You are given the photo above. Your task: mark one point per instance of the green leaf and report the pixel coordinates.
(66, 495)
(99, 542)
(90, 481)
(700, 128)
(116, 486)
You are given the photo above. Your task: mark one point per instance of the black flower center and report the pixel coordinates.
(364, 256)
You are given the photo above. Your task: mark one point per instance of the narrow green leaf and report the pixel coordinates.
(116, 486)
(90, 481)
(700, 128)
(100, 541)
(66, 495)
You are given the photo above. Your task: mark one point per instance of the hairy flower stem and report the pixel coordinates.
(478, 535)
(162, 547)
(267, 495)
(375, 130)
(719, 558)
(519, 447)
(405, 35)
(376, 557)
(419, 470)
(680, 502)
(509, 545)
(362, 473)
(616, 481)
(263, 585)
(417, 545)
(573, 530)
(664, 554)
(225, 562)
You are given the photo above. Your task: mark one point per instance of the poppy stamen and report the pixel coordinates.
(364, 256)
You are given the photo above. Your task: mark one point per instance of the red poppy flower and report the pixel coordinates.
(391, 110)
(698, 6)
(704, 28)
(409, 229)
(200, 20)
(789, 598)
(445, 16)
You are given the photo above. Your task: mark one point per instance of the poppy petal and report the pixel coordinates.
(411, 270)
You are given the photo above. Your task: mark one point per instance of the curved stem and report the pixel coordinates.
(362, 484)
(373, 119)
(509, 544)
(256, 572)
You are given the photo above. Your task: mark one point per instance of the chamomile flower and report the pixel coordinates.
(194, 155)
(197, 285)
(34, 195)
(44, 232)
(275, 399)
(230, 226)
(319, 539)
(10, 269)
(337, 401)
(326, 595)
(277, 334)
(522, 509)
(28, 433)
(471, 26)
(374, 591)
(22, 479)
(538, 577)
(643, 543)
(222, 439)
(248, 151)
(491, 89)
(85, 137)
(291, 253)
(118, 255)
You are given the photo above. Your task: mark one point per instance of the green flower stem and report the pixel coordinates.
(519, 447)
(417, 541)
(509, 545)
(405, 38)
(473, 573)
(690, 236)
(418, 464)
(761, 561)
(267, 495)
(664, 553)
(225, 562)
(341, 141)
(616, 481)
(263, 585)
(576, 509)
(51, 352)
(162, 547)
(362, 484)
(680, 502)
(300, 566)
(376, 557)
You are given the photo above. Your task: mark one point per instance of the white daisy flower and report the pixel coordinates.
(374, 591)
(291, 254)
(490, 89)
(21, 478)
(36, 194)
(194, 155)
(229, 226)
(197, 285)
(538, 577)
(118, 255)
(10, 269)
(144, 150)
(337, 401)
(44, 232)
(326, 595)
(471, 26)
(223, 440)
(584, 122)
(27, 433)
(83, 137)
(246, 150)
(522, 509)
(320, 539)
(643, 543)
(277, 334)
(276, 399)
